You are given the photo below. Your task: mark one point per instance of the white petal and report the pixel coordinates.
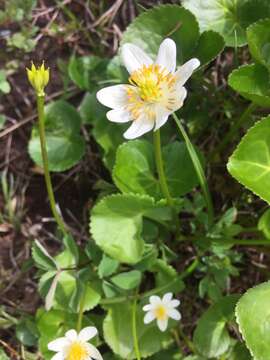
(87, 333)
(147, 307)
(58, 344)
(161, 117)
(114, 96)
(162, 324)
(167, 298)
(139, 127)
(150, 316)
(94, 353)
(174, 303)
(118, 115)
(155, 300)
(71, 335)
(180, 97)
(134, 57)
(174, 314)
(186, 70)
(58, 356)
(167, 55)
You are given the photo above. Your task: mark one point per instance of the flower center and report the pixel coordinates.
(161, 313)
(150, 81)
(77, 351)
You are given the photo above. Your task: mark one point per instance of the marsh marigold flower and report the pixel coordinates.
(38, 78)
(161, 309)
(74, 346)
(155, 91)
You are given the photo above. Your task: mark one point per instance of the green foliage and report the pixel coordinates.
(41, 257)
(65, 145)
(151, 27)
(252, 313)
(4, 84)
(118, 333)
(211, 336)
(3, 355)
(229, 18)
(250, 162)
(127, 280)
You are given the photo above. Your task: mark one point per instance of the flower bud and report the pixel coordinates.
(38, 78)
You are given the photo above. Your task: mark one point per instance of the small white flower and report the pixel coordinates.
(74, 346)
(155, 91)
(162, 310)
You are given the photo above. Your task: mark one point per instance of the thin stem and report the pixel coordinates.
(41, 125)
(236, 126)
(199, 170)
(80, 314)
(134, 329)
(160, 168)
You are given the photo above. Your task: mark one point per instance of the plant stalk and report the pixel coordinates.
(134, 329)
(199, 170)
(41, 126)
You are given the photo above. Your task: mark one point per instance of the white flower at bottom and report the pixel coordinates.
(155, 91)
(74, 346)
(162, 310)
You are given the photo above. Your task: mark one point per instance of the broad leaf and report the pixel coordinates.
(116, 226)
(65, 145)
(117, 330)
(253, 314)
(211, 336)
(250, 162)
(252, 82)
(135, 171)
(228, 17)
(258, 36)
(264, 224)
(127, 280)
(209, 46)
(42, 258)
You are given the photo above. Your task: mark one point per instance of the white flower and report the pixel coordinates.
(75, 346)
(162, 310)
(155, 91)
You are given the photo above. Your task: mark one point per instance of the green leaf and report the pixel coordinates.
(227, 17)
(167, 276)
(3, 355)
(210, 45)
(107, 266)
(258, 36)
(116, 226)
(250, 162)
(127, 280)
(240, 352)
(211, 337)
(4, 84)
(26, 332)
(252, 82)
(65, 145)
(118, 333)
(134, 170)
(2, 121)
(72, 247)
(152, 26)
(42, 258)
(86, 71)
(252, 314)
(264, 224)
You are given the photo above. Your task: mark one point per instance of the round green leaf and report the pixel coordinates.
(152, 26)
(252, 82)
(116, 226)
(127, 280)
(229, 18)
(118, 333)
(65, 145)
(135, 170)
(209, 46)
(258, 36)
(253, 317)
(211, 336)
(250, 162)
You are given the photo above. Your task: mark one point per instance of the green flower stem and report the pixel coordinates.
(41, 125)
(199, 170)
(188, 271)
(160, 168)
(80, 314)
(236, 126)
(134, 329)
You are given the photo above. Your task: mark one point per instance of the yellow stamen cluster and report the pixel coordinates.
(38, 78)
(161, 313)
(150, 81)
(77, 351)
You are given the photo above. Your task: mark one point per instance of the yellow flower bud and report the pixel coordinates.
(38, 78)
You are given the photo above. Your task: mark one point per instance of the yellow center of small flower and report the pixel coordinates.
(77, 351)
(150, 81)
(160, 312)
